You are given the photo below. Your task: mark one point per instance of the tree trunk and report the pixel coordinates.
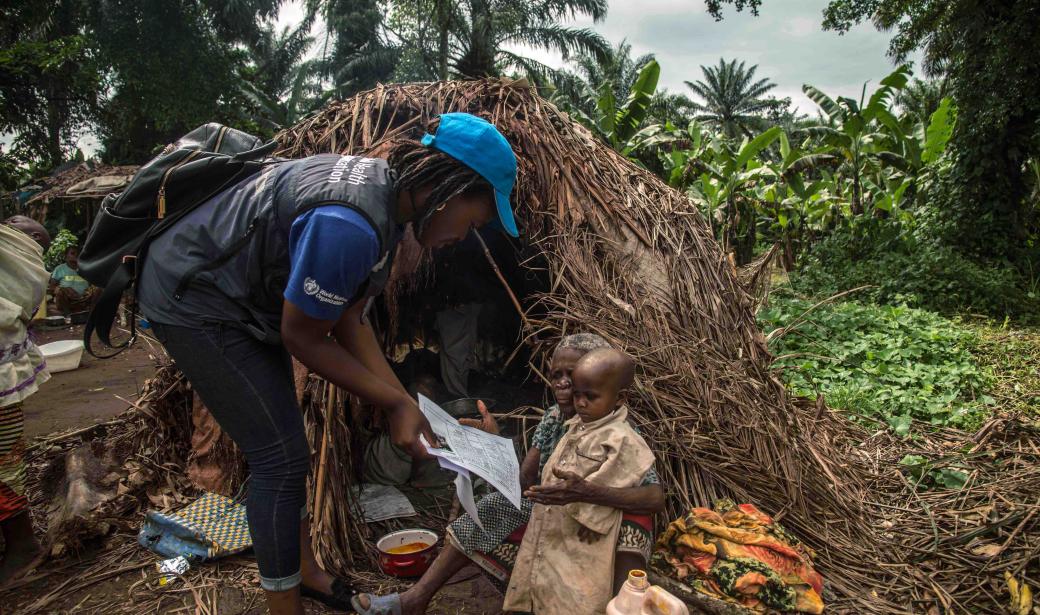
(55, 121)
(443, 26)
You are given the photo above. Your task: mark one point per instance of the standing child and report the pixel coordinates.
(566, 561)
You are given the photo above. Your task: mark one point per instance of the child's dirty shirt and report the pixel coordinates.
(555, 572)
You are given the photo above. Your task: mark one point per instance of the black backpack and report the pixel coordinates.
(186, 174)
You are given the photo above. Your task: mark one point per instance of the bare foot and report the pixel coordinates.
(411, 604)
(317, 579)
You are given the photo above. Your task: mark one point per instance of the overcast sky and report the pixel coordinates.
(785, 40)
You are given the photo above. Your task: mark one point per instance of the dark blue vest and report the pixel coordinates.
(239, 241)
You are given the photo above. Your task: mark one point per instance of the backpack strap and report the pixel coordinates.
(104, 312)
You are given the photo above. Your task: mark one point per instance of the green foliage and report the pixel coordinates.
(578, 89)
(925, 474)
(880, 363)
(795, 187)
(59, 244)
(990, 71)
(620, 123)
(732, 99)
(473, 39)
(1013, 355)
(172, 69)
(356, 52)
(900, 269)
(49, 81)
(282, 85)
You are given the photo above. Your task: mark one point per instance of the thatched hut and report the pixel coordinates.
(72, 195)
(632, 259)
(620, 253)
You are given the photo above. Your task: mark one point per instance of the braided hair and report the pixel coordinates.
(417, 165)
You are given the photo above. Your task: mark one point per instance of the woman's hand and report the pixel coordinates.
(407, 423)
(485, 423)
(573, 488)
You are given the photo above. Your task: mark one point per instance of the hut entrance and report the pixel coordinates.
(452, 330)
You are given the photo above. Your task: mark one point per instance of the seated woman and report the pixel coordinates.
(71, 292)
(495, 548)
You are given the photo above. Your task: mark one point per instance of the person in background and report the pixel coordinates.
(494, 548)
(23, 283)
(71, 292)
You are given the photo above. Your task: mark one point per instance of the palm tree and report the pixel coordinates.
(469, 38)
(279, 80)
(581, 87)
(920, 99)
(733, 100)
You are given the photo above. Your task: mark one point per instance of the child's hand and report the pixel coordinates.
(571, 488)
(588, 536)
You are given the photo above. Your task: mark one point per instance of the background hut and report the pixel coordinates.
(70, 197)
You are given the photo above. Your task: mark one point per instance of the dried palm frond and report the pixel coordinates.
(633, 260)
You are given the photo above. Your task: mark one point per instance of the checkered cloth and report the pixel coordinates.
(210, 527)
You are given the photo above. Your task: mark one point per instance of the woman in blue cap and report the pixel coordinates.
(286, 263)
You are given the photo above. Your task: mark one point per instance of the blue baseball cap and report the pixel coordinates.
(476, 143)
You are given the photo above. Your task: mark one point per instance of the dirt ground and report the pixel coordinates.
(124, 581)
(97, 391)
(119, 576)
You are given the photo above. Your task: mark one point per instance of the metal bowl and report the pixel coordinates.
(466, 407)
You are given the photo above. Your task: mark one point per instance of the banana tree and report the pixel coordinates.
(727, 178)
(856, 129)
(799, 201)
(617, 124)
(913, 164)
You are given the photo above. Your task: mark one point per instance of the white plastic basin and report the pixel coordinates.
(63, 355)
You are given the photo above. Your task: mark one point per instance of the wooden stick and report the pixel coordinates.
(501, 278)
(323, 456)
(73, 434)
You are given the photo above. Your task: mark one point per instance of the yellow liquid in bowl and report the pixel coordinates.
(410, 547)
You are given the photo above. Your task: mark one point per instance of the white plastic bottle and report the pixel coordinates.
(629, 600)
(658, 601)
(638, 597)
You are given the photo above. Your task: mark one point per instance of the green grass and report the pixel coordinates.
(889, 364)
(1013, 357)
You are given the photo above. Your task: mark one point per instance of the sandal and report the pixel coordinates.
(341, 598)
(379, 605)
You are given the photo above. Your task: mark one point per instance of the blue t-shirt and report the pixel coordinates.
(332, 251)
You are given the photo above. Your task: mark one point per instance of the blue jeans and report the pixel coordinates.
(248, 387)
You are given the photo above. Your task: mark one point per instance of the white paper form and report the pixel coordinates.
(486, 455)
(463, 481)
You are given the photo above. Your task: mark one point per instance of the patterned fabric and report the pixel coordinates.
(23, 287)
(500, 519)
(739, 554)
(12, 462)
(210, 527)
(547, 435)
(637, 535)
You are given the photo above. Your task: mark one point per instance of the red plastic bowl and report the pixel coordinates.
(412, 564)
